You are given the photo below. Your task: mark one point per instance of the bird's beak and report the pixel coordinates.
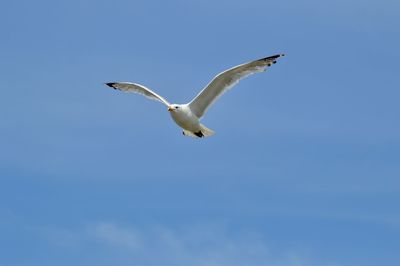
(170, 109)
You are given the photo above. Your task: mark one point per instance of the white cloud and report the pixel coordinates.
(117, 236)
(194, 246)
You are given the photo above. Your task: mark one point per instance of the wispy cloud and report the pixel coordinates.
(116, 236)
(194, 246)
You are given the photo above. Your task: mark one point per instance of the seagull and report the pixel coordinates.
(188, 115)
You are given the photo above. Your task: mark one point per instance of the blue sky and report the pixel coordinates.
(303, 170)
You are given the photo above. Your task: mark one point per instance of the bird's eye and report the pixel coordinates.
(177, 107)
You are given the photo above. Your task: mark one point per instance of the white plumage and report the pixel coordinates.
(188, 115)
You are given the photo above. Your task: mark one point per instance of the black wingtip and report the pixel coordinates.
(110, 84)
(273, 57)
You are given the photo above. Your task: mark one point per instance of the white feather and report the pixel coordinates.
(139, 89)
(225, 81)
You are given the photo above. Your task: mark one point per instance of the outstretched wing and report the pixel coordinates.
(226, 80)
(137, 88)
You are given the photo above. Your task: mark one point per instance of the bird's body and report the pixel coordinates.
(188, 116)
(185, 118)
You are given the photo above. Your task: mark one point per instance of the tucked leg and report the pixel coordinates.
(199, 134)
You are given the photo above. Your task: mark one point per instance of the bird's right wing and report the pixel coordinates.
(226, 80)
(137, 88)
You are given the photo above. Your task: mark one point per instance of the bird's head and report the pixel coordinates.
(173, 107)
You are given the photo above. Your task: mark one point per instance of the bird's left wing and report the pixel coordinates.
(226, 80)
(137, 88)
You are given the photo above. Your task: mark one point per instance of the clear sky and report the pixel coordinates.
(303, 170)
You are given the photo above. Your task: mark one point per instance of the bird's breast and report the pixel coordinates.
(186, 119)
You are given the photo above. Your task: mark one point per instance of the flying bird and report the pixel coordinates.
(188, 115)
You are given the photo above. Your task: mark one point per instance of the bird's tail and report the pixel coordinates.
(204, 132)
